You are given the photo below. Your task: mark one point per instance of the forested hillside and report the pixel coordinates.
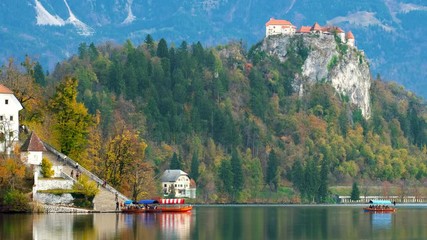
(228, 117)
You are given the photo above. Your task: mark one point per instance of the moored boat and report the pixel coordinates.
(380, 206)
(154, 206)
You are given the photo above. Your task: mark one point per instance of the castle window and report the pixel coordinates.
(1, 118)
(11, 118)
(6, 101)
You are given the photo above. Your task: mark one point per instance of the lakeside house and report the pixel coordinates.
(178, 181)
(9, 119)
(285, 27)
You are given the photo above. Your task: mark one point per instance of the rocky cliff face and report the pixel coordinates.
(328, 60)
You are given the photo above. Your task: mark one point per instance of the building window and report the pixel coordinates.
(165, 185)
(6, 101)
(11, 118)
(1, 118)
(11, 134)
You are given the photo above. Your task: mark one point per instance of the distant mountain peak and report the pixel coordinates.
(43, 17)
(130, 18)
(82, 28)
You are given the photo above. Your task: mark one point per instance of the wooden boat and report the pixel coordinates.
(154, 206)
(380, 206)
(169, 208)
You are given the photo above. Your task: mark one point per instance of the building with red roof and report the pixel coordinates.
(350, 39)
(278, 26)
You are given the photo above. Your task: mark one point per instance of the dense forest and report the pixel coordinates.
(226, 115)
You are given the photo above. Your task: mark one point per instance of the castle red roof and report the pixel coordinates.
(349, 35)
(304, 29)
(33, 144)
(316, 27)
(273, 21)
(5, 90)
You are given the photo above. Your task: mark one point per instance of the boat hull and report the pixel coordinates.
(159, 209)
(379, 210)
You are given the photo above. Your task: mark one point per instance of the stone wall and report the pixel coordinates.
(46, 184)
(51, 199)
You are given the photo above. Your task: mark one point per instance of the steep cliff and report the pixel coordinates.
(328, 60)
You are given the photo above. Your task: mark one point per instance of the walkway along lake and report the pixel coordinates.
(225, 222)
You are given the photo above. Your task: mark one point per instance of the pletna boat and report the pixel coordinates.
(380, 206)
(154, 206)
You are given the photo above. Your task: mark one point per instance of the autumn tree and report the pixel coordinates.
(46, 168)
(12, 173)
(72, 120)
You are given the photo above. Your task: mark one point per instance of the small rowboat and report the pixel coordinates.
(380, 206)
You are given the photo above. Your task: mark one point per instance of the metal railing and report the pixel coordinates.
(66, 160)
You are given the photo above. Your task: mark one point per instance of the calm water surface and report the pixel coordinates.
(224, 222)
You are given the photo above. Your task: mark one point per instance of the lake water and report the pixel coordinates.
(224, 222)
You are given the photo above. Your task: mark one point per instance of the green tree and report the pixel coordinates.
(195, 167)
(175, 162)
(236, 168)
(226, 177)
(46, 168)
(323, 186)
(162, 49)
(39, 76)
(355, 193)
(72, 120)
(272, 176)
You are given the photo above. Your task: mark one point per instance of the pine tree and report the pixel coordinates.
(236, 168)
(195, 167)
(39, 76)
(175, 162)
(355, 193)
(272, 177)
(323, 188)
(162, 49)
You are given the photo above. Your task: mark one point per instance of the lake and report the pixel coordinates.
(225, 222)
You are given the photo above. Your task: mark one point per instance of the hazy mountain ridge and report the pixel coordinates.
(389, 31)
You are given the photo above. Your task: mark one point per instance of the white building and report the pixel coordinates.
(277, 26)
(9, 119)
(180, 182)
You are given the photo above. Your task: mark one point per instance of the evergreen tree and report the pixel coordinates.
(195, 167)
(323, 187)
(175, 162)
(272, 176)
(39, 76)
(162, 49)
(311, 180)
(236, 168)
(298, 177)
(226, 177)
(355, 193)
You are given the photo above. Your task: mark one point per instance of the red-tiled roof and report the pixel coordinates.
(273, 21)
(304, 29)
(5, 90)
(316, 27)
(349, 35)
(33, 144)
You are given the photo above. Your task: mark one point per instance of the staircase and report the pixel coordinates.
(105, 200)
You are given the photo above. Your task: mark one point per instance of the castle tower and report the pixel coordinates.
(350, 39)
(32, 150)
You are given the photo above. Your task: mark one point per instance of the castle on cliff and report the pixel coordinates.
(278, 26)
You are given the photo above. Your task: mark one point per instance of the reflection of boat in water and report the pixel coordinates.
(380, 206)
(154, 206)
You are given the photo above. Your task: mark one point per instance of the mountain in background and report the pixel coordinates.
(391, 32)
